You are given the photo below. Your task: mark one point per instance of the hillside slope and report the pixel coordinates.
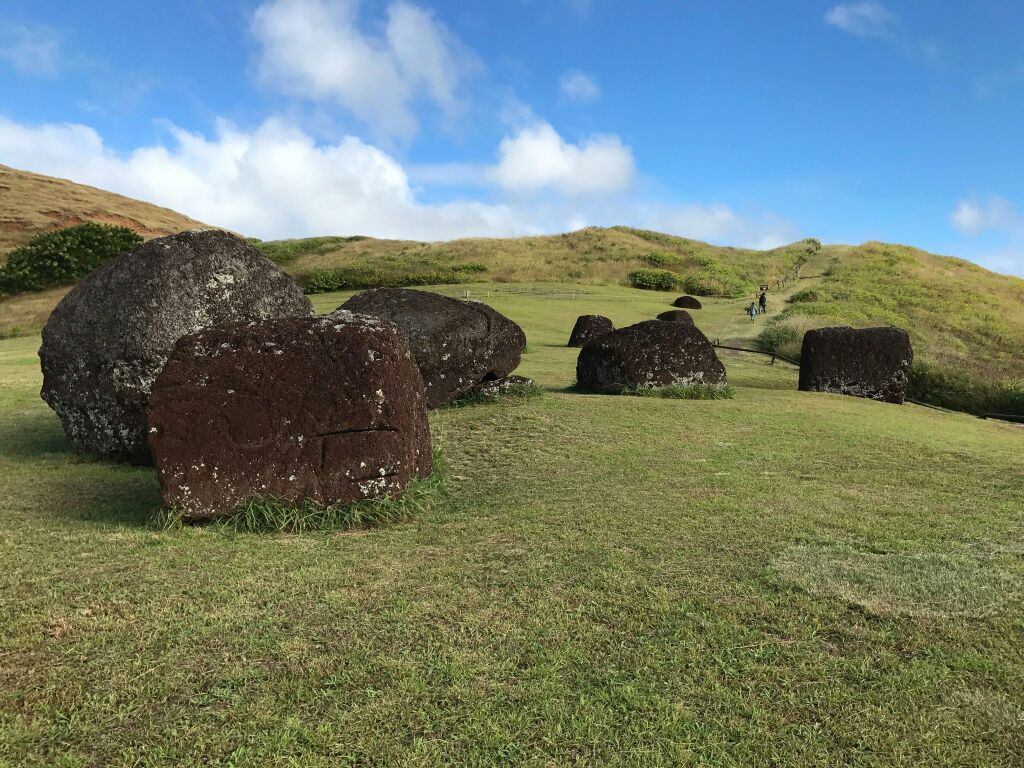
(960, 316)
(31, 204)
(590, 256)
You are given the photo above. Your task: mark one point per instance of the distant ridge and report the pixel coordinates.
(31, 204)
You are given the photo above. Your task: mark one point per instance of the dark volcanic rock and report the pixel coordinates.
(676, 316)
(649, 354)
(686, 302)
(107, 340)
(863, 362)
(330, 409)
(589, 327)
(457, 344)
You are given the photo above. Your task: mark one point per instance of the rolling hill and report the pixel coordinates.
(965, 322)
(31, 204)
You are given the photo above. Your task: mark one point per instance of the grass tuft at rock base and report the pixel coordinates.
(271, 515)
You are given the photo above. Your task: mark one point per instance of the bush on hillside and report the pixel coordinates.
(62, 257)
(960, 391)
(782, 339)
(716, 279)
(284, 251)
(654, 280)
(360, 277)
(805, 296)
(662, 259)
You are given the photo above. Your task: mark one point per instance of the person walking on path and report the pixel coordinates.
(752, 311)
(762, 300)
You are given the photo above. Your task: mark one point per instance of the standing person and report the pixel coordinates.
(752, 311)
(763, 301)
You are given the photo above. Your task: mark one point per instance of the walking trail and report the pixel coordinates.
(734, 328)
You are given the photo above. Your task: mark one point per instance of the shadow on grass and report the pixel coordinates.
(52, 480)
(32, 435)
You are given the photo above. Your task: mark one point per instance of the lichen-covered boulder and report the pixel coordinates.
(109, 337)
(686, 302)
(329, 409)
(649, 354)
(589, 327)
(676, 316)
(457, 344)
(862, 362)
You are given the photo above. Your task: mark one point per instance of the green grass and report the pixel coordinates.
(684, 392)
(512, 393)
(782, 578)
(270, 515)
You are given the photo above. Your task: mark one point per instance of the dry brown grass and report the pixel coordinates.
(30, 204)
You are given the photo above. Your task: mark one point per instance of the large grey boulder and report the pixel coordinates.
(110, 336)
(653, 353)
(457, 344)
(862, 362)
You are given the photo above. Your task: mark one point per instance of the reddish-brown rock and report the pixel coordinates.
(686, 302)
(330, 409)
(589, 327)
(649, 354)
(676, 316)
(457, 344)
(862, 362)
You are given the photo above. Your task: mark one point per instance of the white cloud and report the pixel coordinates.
(996, 214)
(272, 182)
(720, 224)
(276, 181)
(30, 50)
(578, 86)
(314, 49)
(537, 157)
(868, 19)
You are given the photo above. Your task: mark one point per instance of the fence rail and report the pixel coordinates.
(772, 355)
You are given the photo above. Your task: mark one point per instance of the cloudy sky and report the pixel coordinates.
(738, 122)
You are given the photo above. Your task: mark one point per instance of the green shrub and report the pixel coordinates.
(662, 259)
(470, 266)
(62, 257)
(284, 251)
(358, 277)
(960, 391)
(782, 339)
(655, 280)
(807, 295)
(716, 279)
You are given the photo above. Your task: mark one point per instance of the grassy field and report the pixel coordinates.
(777, 579)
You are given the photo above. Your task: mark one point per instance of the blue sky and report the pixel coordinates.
(745, 123)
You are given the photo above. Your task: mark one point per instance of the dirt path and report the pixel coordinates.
(735, 328)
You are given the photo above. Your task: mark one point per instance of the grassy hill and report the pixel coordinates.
(966, 324)
(591, 256)
(961, 317)
(31, 204)
(783, 578)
